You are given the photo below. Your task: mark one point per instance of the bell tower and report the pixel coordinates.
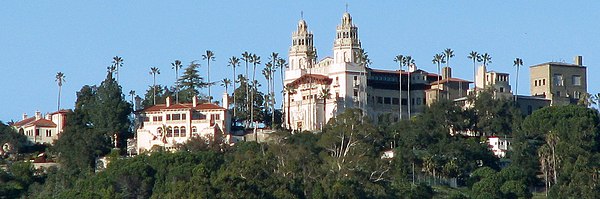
(302, 47)
(346, 45)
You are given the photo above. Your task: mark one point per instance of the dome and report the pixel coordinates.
(302, 27)
(346, 19)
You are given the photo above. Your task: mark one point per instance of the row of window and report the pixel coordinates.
(395, 100)
(30, 133)
(176, 131)
(176, 117)
(539, 82)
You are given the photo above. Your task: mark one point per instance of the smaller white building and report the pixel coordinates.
(42, 129)
(499, 146)
(167, 125)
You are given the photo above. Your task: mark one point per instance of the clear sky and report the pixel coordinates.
(79, 38)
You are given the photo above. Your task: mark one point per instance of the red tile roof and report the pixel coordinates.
(452, 79)
(44, 123)
(315, 77)
(205, 106)
(25, 121)
(60, 111)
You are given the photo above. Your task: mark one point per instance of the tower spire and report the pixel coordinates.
(346, 7)
(301, 14)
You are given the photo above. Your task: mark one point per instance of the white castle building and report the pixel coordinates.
(167, 125)
(42, 129)
(316, 91)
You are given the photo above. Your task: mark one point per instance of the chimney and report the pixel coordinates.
(446, 72)
(48, 116)
(24, 116)
(225, 100)
(168, 101)
(38, 115)
(578, 60)
(195, 101)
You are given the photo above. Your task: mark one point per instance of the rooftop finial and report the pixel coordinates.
(301, 14)
(346, 7)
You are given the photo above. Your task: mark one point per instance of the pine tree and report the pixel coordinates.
(190, 83)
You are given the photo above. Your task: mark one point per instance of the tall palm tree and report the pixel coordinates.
(247, 57)
(476, 58)
(448, 53)
(408, 62)
(266, 71)
(234, 62)
(132, 94)
(438, 59)
(176, 65)
(282, 65)
(290, 90)
(60, 78)
(486, 59)
(325, 94)
(154, 71)
(255, 60)
(362, 59)
(118, 63)
(399, 59)
(274, 61)
(209, 56)
(225, 83)
(517, 63)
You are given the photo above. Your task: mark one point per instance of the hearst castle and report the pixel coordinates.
(319, 90)
(325, 88)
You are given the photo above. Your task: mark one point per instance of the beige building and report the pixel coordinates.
(167, 125)
(349, 83)
(562, 83)
(42, 129)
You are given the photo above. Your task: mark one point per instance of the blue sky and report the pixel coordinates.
(79, 38)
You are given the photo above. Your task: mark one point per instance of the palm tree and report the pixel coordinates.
(438, 59)
(290, 90)
(362, 59)
(209, 56)
(255, 60)
(266, 71)
(486, 58)
(448, 53)
(60, 78)
(154, 71)
(517, 63)
(408, 61)
(132, 94)
(176, 65)
(398, 59)
(225, 83)
(476, 58)
(282, 66)
(274, 61)
(325, 94)
(247, 57)
(234, 62)
(118, 63)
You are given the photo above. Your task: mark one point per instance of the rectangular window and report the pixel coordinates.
(558, 80)
(380, 100)
(176, 117)
(37, 132)
(355, 93)
(183, 116)
(395, 101)
(576, 80)
(168, 117)
(502, 89)
(404, 101)
(387, 100)
(412, 101)
(543, 81)
(418, 101)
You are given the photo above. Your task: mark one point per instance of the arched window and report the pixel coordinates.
(182, 131)
(159, 131)
(176, 132)
(169, 132)
(194, 130)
